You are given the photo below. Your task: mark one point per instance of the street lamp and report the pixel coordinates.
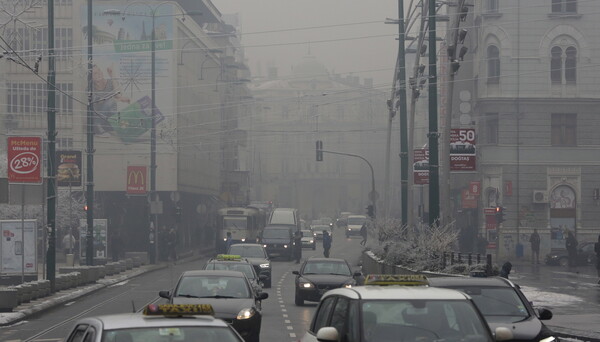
(153, 15)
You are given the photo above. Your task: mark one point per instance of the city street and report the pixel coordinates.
(282, 320)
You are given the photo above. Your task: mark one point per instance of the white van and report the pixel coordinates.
(355, 223)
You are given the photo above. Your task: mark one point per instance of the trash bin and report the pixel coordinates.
(70, 260)
(519, 250)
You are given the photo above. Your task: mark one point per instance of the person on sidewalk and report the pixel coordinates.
(172, 244)
(298, 246)
(326, 243)
(363, 233)
(597, 250)
(571, 245)
(534, 240)
(505, 270)
(68, 242)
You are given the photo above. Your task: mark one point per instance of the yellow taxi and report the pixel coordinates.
(391, 308)
(157, 323)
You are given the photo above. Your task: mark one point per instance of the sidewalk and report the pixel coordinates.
(25, 310)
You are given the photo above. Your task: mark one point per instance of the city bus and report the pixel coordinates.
(244, 224)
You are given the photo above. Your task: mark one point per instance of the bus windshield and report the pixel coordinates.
(235, 222)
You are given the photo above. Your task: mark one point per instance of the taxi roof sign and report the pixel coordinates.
(396, 279)
(230, 257)
(178, 310)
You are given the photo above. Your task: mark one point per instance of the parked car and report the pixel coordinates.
(585, 255)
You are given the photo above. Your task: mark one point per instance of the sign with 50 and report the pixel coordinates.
(25, 160)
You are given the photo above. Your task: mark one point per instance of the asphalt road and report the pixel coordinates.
(282, 319)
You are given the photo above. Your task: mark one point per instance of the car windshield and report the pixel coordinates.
(356, 220)
(247, 251)
(235, 222)
(327, 267)
(320, 229)
(497, 301)
(276, 233)
(282, 217)
(171, 334)
(306, 233)
(212, 287)
(232, 266)
(421, 320)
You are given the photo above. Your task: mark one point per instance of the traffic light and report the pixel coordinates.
(500, 214)
(371, 211)
(178, 214)
(319, 150)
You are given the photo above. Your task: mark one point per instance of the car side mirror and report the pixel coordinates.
(327, 334)
(263, 277)
(357, 274)
(164, 294)
(262, 295)
(296, 272)
(503, 334)
(544, 314)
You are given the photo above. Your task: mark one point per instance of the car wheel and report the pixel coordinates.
(298, 300)
(563, 261)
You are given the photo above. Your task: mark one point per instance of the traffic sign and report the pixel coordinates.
(24, 160)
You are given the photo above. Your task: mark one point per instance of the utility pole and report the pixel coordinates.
(401, 78)
(433, 135)
(51, 199)
(89, 238)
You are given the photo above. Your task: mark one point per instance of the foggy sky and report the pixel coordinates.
(360, 57)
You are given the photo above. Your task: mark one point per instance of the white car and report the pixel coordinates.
(355, 223)
(394, 313)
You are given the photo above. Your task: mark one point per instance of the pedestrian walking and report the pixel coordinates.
(571, 245)
(68, 243)
(597, 250)
(298, 246)
(172, 244)
(326, 243)
(505, 270)
(534, 240)
(363, 233)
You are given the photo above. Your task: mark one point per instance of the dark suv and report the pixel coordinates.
(278, 240)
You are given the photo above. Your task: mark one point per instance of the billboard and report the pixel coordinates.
(122, 71)
(68, 169)
(137, 180)
(100, 237)
(421, 166)
(24, 160)
(462, 149)
(18, 247)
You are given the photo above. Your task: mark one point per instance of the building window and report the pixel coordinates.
(27, 101)
(492, 6)
(556, 65)
(491, 128)
(563, 65)
(564, 6)
(493, 58)
(564, 129)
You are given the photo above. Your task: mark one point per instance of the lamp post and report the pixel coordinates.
(153, 14)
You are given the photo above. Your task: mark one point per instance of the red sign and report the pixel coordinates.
(136, 180)
(421, 166)
(462, 149)
(475, 188)
(508, 188)
(25, 160)
(468, 199)
(490, 218)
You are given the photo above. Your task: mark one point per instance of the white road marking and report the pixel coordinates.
(289, 327)
(70, 303)
(120, 284)
(287, 321)
(285, 315)
(283, 310)
(292, 335)
(282, 305)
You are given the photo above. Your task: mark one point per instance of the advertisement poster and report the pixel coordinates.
(136, 180)
(68, 172)
(100, 238)
(122, 72)
(421, 166)
(14, 250)
(462, 149)
(24, 160)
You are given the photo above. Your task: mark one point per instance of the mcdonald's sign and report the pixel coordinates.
(136, 180)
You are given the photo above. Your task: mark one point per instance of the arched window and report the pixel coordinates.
(563, 64)
(571, 65)
(493, 62)
(556, 65)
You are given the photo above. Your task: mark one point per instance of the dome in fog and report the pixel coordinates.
(310, 67)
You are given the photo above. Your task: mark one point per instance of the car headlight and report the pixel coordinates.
(285, 246)
(549, 339)
(349, 283)
(265, 246)
(264, 265)
(311, 241)
(225, 239)
(246, 313)
(347, 286)
(349, 229)
(243, 240)
(553, 256)
(306, 285)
